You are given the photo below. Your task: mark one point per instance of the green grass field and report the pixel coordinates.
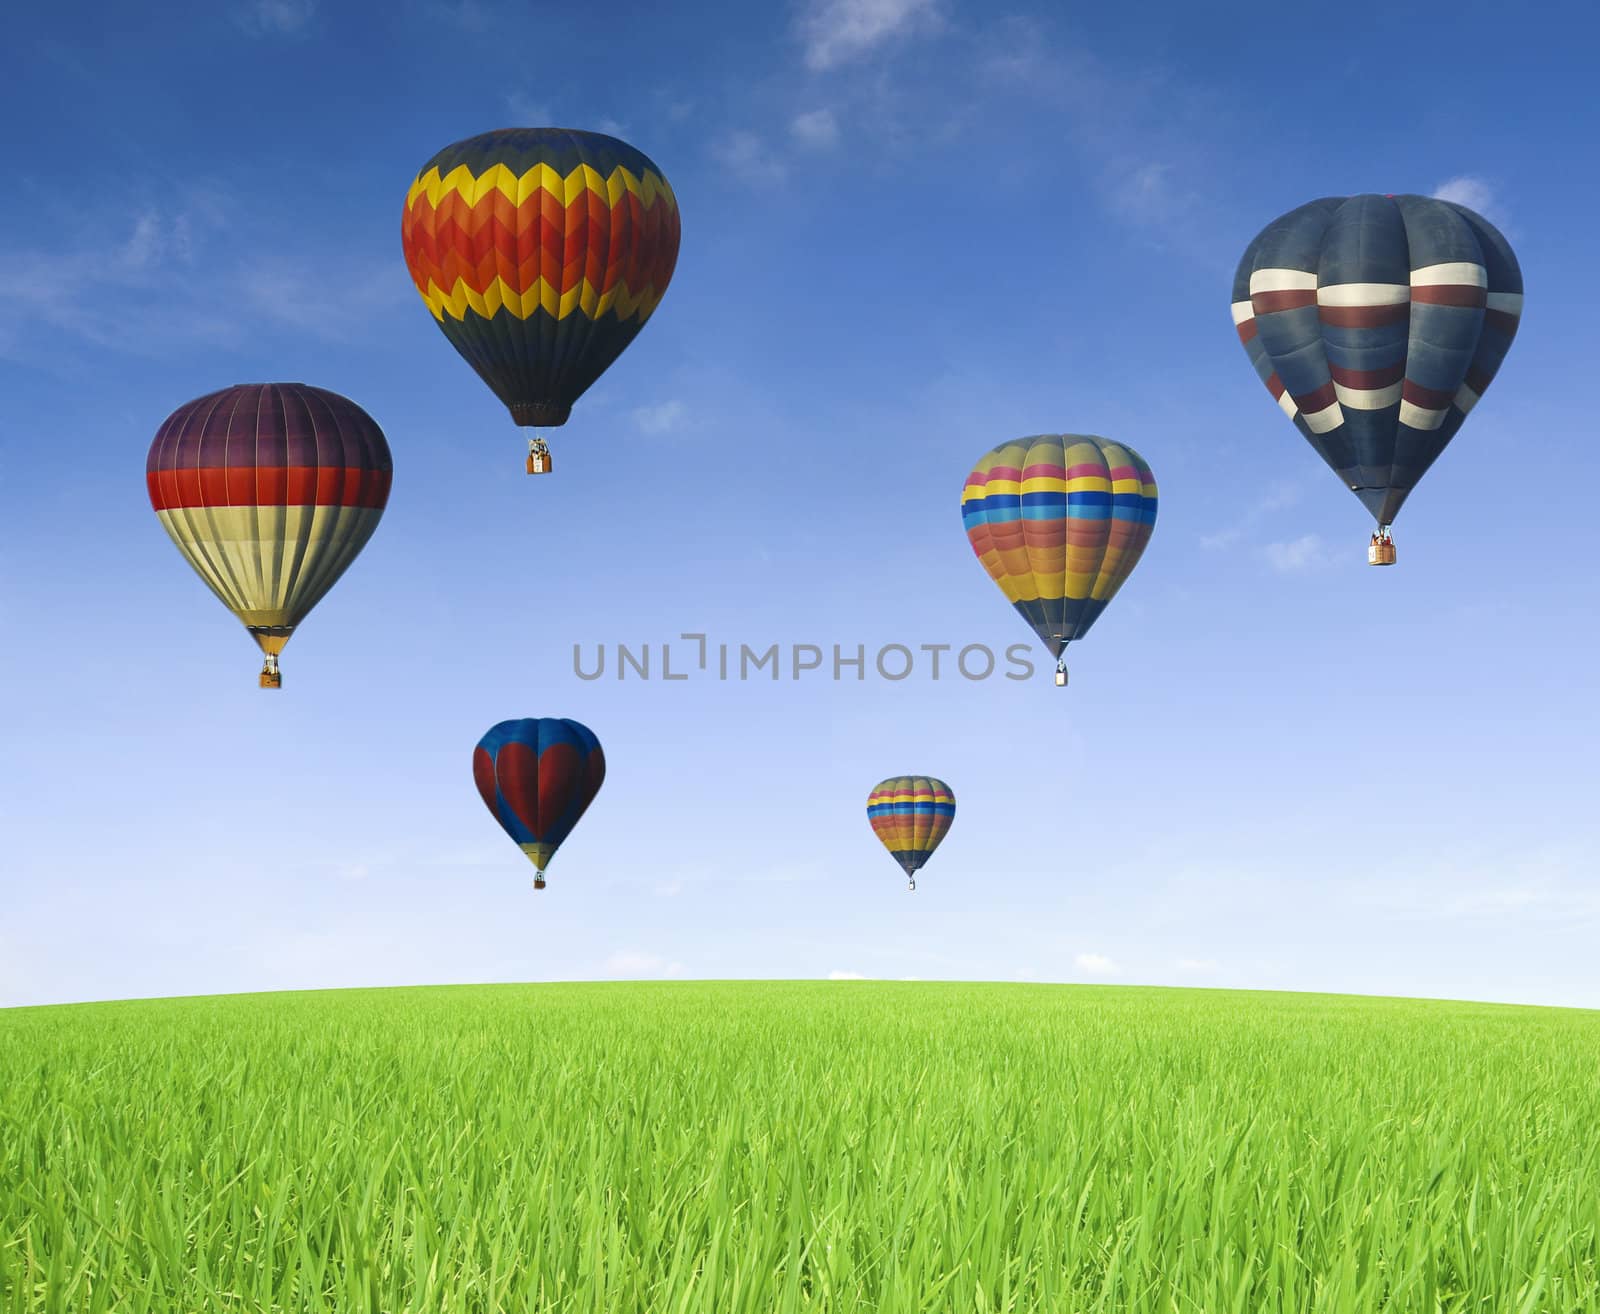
(851, 1146)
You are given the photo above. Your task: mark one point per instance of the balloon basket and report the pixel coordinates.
(538, 881)
(1380, 552)
(271, 677)
(538, 457)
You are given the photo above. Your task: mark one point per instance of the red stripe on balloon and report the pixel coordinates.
(559, 779)
(517, 771)
(243, 485)
(483, 777)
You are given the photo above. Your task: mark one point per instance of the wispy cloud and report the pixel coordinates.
(1547, 887)
(659, 418)
(169, 280)
(97, 287)
(748, 157)
(469, 15)
(328, 299)
(1278, 497)
(1308, 552)
(1221, 539)
(1196, 964)
(627, 962)
(1145, 192)
(527, 111)
(1097, 964)
(817, 129)
(845, 976)
(1471, 191)
(836, 32)
(1146, 137)
(276, 17)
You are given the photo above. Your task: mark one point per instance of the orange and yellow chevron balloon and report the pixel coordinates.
(540, 253)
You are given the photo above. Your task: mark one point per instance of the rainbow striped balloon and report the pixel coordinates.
(1059, 521)
(911, 815)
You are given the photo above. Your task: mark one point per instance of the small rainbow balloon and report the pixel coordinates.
(911, 815)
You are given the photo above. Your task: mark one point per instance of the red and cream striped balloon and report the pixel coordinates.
(269, 490)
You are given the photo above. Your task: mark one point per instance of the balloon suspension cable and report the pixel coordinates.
(1380, 551)
(271, 677)
(538, 456)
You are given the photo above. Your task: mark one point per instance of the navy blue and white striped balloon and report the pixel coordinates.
(1377, 322)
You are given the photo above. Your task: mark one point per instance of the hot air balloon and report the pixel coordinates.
(911, 815)
(538, 776)
(1059, 521)
(540, 252)
(1376, 322)
(269, 490)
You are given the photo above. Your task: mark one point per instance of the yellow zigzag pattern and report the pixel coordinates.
(543, 295)
(518, 188)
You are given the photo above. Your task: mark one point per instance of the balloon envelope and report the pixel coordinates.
(1059, 521)
(269, 490)
(540, 253)
(1376, 322)
(911, 815)
(537, 777)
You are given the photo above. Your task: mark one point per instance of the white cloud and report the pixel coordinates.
(817, 129)
(1470, 191)
(110, 302)
(669, 889)
(1144, 192)
(785, 873)
(132, 290)
(1308, 552)
(626, 962)
(143, 247)
(528, 112)
(1096, 963)
(1552, 886)
(846, 976)
(1278, 497)
(747, 156)
(1197, 964)
(277, 16)
(610, 126)
(330, 299)
(1149, 140)
(662, 417)
(837, 31)
(470, 15)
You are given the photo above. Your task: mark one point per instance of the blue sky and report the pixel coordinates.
(912, 229)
